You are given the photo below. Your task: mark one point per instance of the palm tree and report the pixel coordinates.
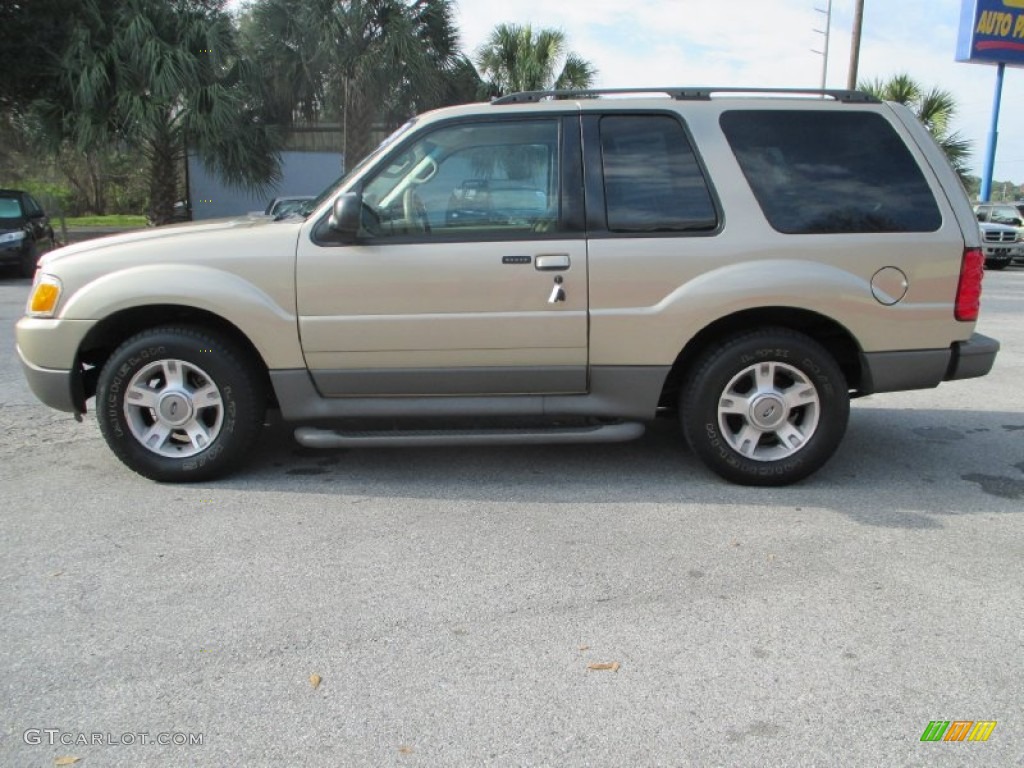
(364, 63)
(515, 59)
(152, 75)
(935, 108)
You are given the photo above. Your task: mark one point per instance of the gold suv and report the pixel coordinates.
(546, 268)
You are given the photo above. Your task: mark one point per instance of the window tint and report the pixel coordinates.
(815, 172)
(31, 206)
(652, 181)
(471, 179)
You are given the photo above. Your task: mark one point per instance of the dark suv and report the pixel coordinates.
(23, 226)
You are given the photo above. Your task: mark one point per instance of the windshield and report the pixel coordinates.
(311, 205)
(10, 208)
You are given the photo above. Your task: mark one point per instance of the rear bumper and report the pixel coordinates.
(927, 368)
(972, 358)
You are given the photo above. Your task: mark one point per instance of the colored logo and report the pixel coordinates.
(958, 730)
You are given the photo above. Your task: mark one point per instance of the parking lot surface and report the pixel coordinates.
(534, 606)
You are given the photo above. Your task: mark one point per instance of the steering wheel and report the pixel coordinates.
(414, 211)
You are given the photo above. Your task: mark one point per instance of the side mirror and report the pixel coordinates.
(344, 218)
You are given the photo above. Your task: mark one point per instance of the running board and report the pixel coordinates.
(312, 437)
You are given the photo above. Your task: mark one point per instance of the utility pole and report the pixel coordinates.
(858, 23)
(827, 11)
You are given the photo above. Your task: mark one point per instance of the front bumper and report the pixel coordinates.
(55, 388)
(1002, 254)
(12, 252)
(48, 348)
(927, 368)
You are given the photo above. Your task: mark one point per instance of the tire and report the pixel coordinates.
(29, 259)
(997, 264)
(146, 404)
(766, 407)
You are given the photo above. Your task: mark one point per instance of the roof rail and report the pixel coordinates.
(683, 94)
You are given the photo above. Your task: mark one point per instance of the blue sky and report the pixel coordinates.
(761, 43)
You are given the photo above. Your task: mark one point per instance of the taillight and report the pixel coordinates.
(968, 292)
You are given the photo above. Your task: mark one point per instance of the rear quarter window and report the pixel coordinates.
(652, 180)
(816, 172)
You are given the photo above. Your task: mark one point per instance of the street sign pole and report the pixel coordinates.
(993, 137)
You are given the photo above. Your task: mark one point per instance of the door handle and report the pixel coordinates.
(550, 262)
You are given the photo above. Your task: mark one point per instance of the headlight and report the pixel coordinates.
(45, 296)
(12, 237)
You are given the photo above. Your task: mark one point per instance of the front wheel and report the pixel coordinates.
(180, 404)
(767, 407)
(29, 260)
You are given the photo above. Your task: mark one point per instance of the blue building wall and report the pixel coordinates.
(303, 173)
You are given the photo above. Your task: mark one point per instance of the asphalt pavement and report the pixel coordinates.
(535, 606)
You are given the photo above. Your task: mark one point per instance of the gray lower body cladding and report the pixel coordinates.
(626, 392)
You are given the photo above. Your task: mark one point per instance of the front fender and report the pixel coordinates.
(271, 328)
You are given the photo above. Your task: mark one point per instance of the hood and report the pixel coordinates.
(151, 234)
(991, 226)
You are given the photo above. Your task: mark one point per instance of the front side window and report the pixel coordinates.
(469, 180)
(830, 171)
(32, 207)
(652, 180)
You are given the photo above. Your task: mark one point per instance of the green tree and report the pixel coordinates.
(514, 59)
(363, 63)
(157, 75)
(936, 108)
(34, 33)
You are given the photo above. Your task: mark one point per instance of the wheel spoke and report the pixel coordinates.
(746, 441)
(198, 434)
(734, 404)
(173, 374)
(141, 396)
(205, 397)
(800, 394)
(791, 437)
(764, 377)
(156, 436)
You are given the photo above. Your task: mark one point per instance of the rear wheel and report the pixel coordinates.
(767, 407)
(180, 404)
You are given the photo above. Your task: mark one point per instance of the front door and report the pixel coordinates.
(469, 274)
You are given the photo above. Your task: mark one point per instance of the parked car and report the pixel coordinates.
(1002, 244)
(24, 227)
(1007, 214)
(750, 263)
(280, 206)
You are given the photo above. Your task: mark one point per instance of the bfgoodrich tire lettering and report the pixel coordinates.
(180, 404)
(767, 407)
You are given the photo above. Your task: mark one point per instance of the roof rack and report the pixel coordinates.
(683, 94)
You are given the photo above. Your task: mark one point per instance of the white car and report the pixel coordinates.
(1002, 244)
